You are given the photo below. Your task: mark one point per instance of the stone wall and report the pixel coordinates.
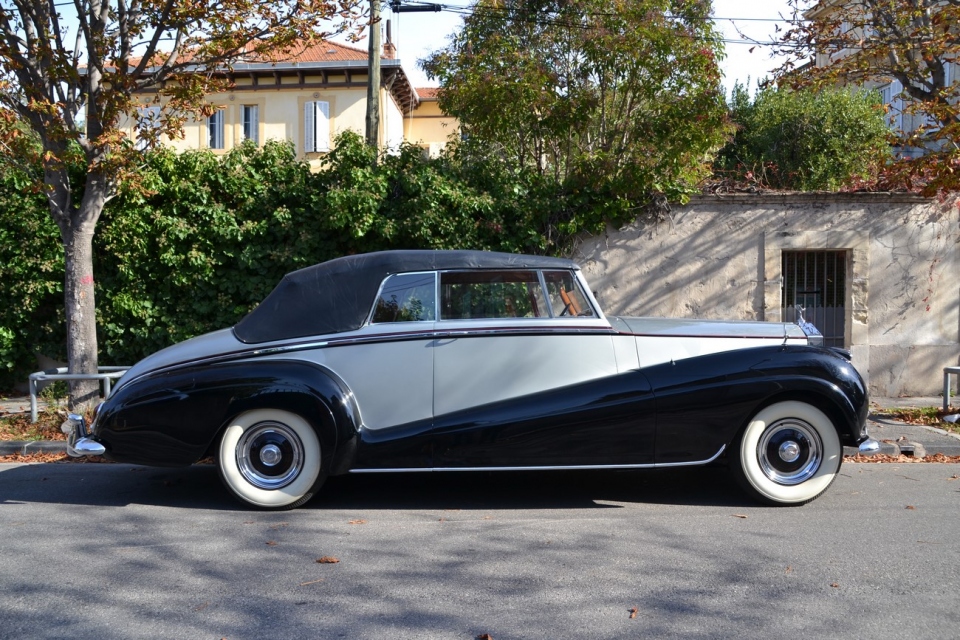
(720, 257)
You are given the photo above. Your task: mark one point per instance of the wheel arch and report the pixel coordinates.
(176, 417)
(826, 397)
(319, 396)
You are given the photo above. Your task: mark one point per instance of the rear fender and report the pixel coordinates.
(175, 417)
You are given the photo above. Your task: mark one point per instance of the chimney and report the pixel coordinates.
(389, 51)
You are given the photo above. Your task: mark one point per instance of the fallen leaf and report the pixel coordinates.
(953, 477)
(442, 520)
(328, 560)
(271, 543)
(789, 570)
(911, 507)
(633, 612)
(834, 585)
(484, 636)
(740, 515)
(358, 521)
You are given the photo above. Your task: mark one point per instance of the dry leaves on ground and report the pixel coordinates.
(884, 458)
(328, 560)
(52, 457)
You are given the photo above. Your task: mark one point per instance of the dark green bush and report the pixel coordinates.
(804, 140)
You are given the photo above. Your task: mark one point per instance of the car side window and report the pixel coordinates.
(407, 297)
(492, 294)
(566, 296)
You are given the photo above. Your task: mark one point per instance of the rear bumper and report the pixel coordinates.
(79, 442)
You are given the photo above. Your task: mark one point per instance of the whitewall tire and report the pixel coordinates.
(788, 454)
(270, 459)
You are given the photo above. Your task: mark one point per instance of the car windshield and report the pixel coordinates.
(566, 297)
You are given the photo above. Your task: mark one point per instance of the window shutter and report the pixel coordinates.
(309, 127)
(323, 126)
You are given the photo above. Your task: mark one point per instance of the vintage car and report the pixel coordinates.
(468, 360)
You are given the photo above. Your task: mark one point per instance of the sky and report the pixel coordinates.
(416, 35)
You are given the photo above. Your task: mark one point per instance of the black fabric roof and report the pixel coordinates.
(337, 295)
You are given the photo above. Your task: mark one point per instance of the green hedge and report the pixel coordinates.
(201, 239)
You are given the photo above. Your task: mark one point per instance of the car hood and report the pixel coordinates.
(217, 343)
(706, 328)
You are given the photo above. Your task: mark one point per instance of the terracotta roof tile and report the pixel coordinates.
(324, 51)
(427, 93)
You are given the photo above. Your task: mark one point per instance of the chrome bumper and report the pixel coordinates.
(869, 447)
(79, 442)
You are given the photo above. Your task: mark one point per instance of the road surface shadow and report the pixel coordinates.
(199, 487)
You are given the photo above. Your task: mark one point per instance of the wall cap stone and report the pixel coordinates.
(806, 197)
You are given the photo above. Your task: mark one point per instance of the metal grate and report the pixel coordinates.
(817, 281)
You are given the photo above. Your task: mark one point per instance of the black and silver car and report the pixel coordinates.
(468, 360)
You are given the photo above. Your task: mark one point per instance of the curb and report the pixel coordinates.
(15, 447)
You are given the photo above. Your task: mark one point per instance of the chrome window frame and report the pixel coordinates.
(436, 302)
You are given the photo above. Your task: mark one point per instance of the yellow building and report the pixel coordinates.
(308, 98)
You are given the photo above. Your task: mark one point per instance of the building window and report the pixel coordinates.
(316, 126)
(890, 97)
(215, 130)
(148, 124)
(816, 282)
(250, 113)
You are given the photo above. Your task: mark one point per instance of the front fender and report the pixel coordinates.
(704, 402)
(174, 417)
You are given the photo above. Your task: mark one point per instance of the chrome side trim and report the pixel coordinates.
(586, 467)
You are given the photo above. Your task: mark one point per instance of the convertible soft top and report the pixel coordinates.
(337, 295)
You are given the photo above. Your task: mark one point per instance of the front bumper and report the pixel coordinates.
(79, 441)
(869, 447)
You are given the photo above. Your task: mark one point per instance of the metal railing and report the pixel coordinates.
(946, 385)
(106, 375)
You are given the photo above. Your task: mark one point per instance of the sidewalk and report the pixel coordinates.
(895, 437)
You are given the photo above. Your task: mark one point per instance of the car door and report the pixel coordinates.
(526, 374)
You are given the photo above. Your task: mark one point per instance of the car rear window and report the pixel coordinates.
(407, 297)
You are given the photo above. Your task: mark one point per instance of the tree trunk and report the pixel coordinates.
(79, 303)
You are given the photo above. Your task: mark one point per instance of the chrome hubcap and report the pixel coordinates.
(789, 451)
(270, 455)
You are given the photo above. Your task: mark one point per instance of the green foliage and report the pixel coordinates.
(804, 140)
(31, 270)
(614, 102)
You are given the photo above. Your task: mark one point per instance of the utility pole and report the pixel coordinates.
(373, 78)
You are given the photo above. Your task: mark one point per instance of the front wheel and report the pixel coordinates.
(270, 459)
(788, 454)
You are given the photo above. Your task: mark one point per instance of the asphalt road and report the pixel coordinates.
(115, 551)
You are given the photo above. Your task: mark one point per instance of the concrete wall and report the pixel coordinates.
(719, 257)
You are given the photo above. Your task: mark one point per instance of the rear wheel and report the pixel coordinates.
(788, 454)
(271, 459)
